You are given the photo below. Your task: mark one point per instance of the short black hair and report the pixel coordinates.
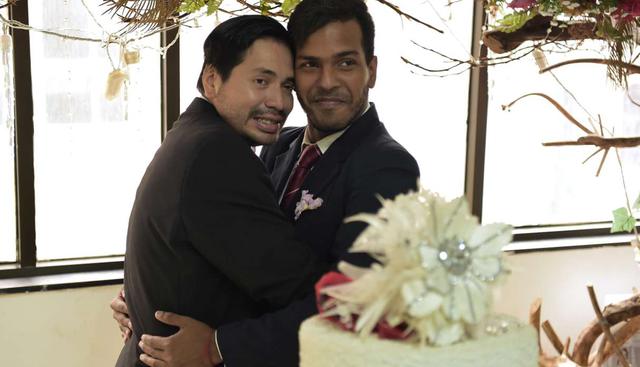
(227, 45)
(311, 15)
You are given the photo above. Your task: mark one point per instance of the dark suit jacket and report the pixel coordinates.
(364, 162)
(206, 237)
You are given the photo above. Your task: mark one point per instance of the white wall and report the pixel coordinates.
(65, 328)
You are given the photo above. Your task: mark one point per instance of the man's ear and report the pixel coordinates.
(211, 81)
(373, 70)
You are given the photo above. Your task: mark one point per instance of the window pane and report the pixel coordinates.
(89, 153)
(417, 110)
(7, 176)
(528, 184)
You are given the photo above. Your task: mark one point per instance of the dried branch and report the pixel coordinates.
(408, 16)
(604, 325)
(631, 68)
(553, 337)
(622, 335)
(556, 105)
(537, 28)
(534, 317)
(9, 3)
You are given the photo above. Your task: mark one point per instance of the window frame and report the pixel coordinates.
(27, 264)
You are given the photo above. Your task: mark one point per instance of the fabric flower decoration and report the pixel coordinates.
(307, 202)
(437, 265)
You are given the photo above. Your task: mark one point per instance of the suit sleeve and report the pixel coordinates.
(272, 339)
(231, 217)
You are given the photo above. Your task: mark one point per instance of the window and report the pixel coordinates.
(7, 156)
(89, 153)
(527, 184)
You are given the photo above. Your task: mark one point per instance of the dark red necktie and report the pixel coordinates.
(308, 158)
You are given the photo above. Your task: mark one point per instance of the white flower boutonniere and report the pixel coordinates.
(307, 202)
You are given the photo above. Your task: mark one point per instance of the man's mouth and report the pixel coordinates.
(329, 102)
(269, 124)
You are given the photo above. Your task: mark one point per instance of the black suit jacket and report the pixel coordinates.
(363, 163)
(206, 237)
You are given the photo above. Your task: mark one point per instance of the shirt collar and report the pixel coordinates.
(324, 143)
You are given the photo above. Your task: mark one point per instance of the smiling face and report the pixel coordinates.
(256, 98)
(333, 77)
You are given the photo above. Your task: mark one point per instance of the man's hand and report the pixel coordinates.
(192, 345)
(121, 315)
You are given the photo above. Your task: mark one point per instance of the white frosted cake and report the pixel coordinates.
(323, 344)
(427, 303)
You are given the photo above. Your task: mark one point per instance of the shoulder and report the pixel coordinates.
(380, 150)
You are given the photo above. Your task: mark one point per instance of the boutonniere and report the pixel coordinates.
(307, 202)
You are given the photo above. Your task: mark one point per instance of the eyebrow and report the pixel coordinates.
(338, 55)
(265, 71)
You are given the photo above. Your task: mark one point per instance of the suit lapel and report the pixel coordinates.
(284, 164)
(332, 161)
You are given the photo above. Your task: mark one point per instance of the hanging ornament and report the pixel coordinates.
(131, 57)
(115, 82)
(5, 47)
(5, 43)
(541, 59)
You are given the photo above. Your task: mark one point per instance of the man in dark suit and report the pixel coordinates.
(206, 237)
(358, 160)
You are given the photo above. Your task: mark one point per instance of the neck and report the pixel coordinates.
(314, 135)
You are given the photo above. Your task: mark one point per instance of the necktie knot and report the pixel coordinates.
(309, 156)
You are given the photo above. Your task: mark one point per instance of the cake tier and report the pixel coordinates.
(323, 344)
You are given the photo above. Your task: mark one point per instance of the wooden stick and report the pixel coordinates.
(604, 156)
(631, 68)
(535, 30)
(534, 318)
(614, 314)
(553, 337)
(557, 106)
(622, 335)
(605, 327)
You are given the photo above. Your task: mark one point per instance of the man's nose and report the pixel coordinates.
(276, 99)
(328, 78)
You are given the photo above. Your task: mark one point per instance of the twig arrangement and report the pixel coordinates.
(594, 138)
(626, 313)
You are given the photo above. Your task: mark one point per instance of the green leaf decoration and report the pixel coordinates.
(289, 5)
(514, 21)
(636, 204)
(191, 6)
(623, 221)
(213, 6)
(264, 7)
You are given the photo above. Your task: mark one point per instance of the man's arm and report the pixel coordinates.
(232, 219)
(272, 339)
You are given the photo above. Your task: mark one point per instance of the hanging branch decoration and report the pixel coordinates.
(615, 22)
(625, 313)
(592, 138)
(155, 13)
(8, 3)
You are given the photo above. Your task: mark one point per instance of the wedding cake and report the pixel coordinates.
(428, 301)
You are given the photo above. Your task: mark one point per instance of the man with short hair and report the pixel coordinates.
(206, 237)
(355, 160)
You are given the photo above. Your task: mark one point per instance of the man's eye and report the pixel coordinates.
(289, 86)
(261, 82)
(308, 64)
(347, 63)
